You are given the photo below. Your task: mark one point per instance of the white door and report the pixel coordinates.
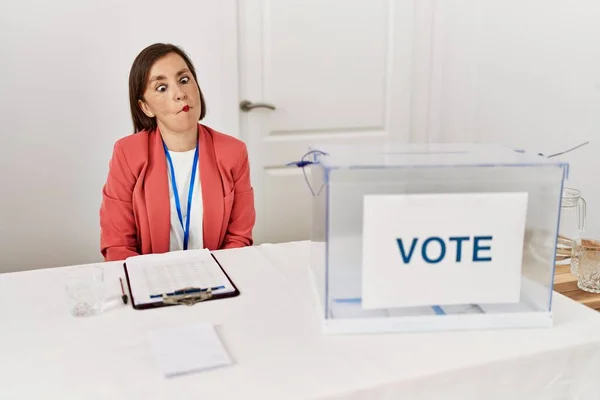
(334, 71)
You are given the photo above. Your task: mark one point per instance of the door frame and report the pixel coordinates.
(251, 87)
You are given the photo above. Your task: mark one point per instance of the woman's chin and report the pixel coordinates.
(183, 128)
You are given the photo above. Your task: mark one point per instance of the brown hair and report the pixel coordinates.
(138, 79)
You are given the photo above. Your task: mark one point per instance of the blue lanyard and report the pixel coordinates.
(186, 230)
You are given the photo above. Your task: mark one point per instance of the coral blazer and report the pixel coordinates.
(135, 214)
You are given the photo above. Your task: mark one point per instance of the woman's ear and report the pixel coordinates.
(146, 109)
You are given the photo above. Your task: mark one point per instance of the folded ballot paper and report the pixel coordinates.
(180, 350)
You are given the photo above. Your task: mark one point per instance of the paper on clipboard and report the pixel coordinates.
(152, 275)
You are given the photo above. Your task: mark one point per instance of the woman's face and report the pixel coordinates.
(170, 88)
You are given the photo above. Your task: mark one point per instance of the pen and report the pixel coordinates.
(187, 291)
(124, 296)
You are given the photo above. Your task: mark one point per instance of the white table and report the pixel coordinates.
(273, 333)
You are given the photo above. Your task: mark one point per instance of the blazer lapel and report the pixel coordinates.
(157, 195)
(212, 190)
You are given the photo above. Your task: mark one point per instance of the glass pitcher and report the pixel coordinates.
(572, 224)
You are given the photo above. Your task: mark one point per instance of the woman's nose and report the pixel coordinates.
(180, 95)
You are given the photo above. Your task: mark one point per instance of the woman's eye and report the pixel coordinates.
(185, 79)
(161, 88)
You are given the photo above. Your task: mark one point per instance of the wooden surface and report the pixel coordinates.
(566, 283)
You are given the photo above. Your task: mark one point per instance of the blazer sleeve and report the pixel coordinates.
(118, 237)
(243, 215)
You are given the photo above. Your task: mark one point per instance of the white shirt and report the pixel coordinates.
(182, 165)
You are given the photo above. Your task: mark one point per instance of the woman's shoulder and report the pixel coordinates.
(132, 150)
(227, 147)
(223, 140)
(133, 142)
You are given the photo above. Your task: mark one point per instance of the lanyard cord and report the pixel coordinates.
(186, 230)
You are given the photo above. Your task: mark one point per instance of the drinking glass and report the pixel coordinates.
(587, 253)
(85, 291)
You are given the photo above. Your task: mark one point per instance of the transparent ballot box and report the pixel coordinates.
(433, 236)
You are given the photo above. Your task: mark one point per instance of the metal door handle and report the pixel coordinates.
(248, 105)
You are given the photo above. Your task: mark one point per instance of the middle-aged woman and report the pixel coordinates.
(174, 184)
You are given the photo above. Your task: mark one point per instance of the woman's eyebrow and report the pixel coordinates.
(162, 77)
(157, 78)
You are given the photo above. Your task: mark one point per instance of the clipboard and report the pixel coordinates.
(185, 296)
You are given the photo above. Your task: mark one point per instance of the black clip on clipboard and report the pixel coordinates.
(185, 296)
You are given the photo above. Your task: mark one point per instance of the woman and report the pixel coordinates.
(175, 184)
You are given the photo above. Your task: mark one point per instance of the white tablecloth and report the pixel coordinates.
(273, 333)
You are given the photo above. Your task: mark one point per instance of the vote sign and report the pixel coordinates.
(442, 249)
